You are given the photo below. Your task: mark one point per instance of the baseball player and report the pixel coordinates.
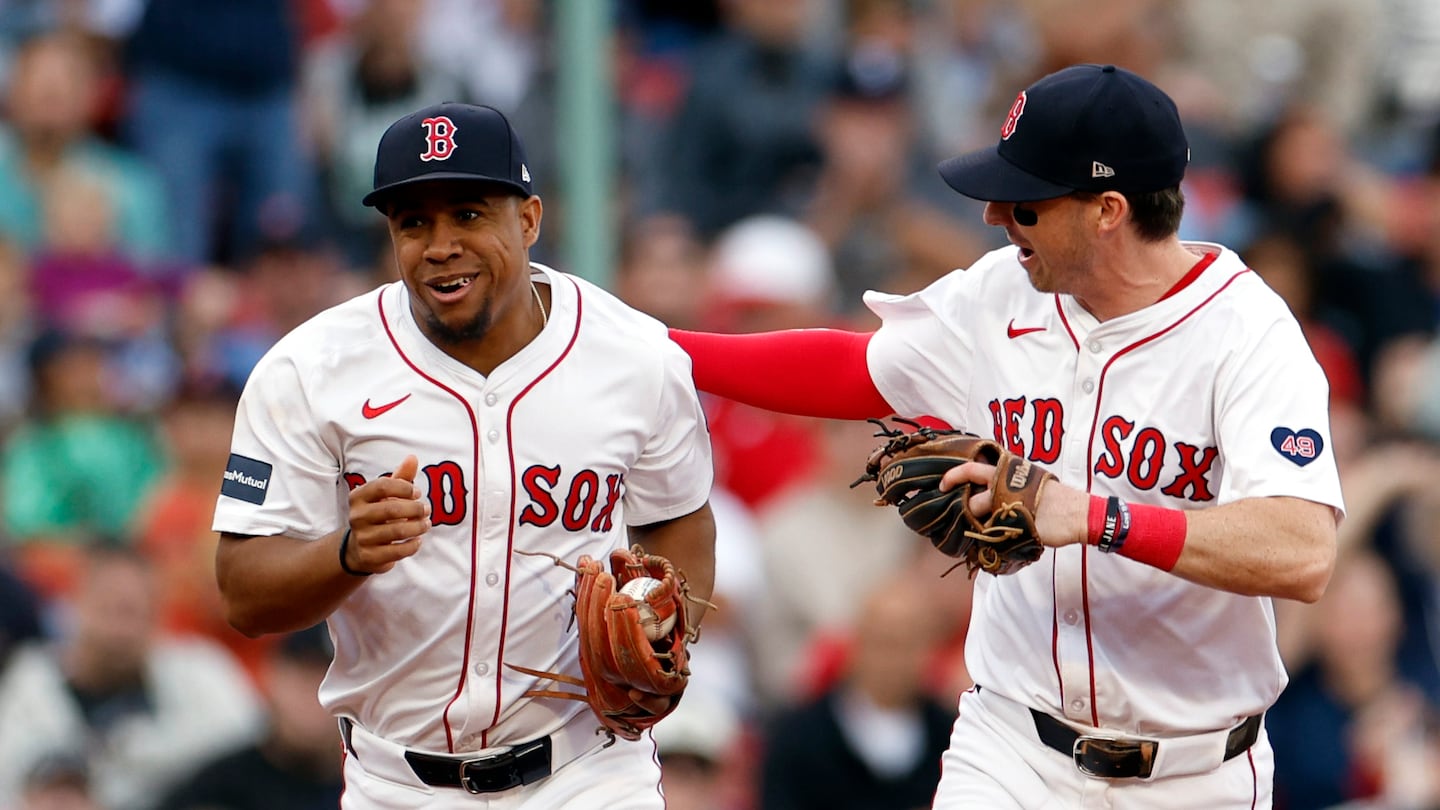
(410, 464)
(1174, 397)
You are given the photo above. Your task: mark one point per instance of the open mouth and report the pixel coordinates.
(450, 285)
(449, 290)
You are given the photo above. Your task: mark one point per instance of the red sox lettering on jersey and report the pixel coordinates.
(1139, 452)
(576, 510)
(1143, 407)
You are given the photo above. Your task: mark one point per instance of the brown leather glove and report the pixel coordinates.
(907, 470)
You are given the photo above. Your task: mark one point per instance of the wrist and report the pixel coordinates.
(344, 552)
(1153, 535)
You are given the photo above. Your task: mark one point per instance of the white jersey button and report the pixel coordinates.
(490, 399)
(493, 435)
(492, 578)
(1072, 616)
(481, 668)
(1093, 346)
(1077, 705)
(1088, 386)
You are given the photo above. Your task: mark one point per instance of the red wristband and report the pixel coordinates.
(1153, 535)
(1096, 524)
(1157, 536)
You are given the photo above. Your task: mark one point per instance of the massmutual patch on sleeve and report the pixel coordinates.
(246, 479)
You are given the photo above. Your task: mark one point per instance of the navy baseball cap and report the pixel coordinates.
(450, 141)
(1084, 128)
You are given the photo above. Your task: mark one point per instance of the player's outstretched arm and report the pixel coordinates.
(689, 543)
(278, 584)
(1280, 547)
(808, 372)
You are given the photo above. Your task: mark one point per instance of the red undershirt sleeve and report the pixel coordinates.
(809, 372)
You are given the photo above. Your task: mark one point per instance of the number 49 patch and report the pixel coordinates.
(1299, 446)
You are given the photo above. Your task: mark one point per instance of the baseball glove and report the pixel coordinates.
(630, 682)
(907, 470)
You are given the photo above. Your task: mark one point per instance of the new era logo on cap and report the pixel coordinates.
(450, 141)
(1086, 128)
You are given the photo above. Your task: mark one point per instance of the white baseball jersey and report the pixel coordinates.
(1208, 396)
(593, 426)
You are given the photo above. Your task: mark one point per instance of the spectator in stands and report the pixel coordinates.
(296, 764)
(50, 108)
(820, 518)
(20, 617)
(699, 755)
(172, 528)
(356, 83)
(76, 469)
(1342, 727)
(17, 328)
(878, 202)
(873, 742)
(144, 708)
(213, 106)
(662, 270)
(743, 141)
(764, 272)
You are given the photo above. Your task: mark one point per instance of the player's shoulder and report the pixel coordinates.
(604, 317)
(1229, 284)
(996, 275)
(333, 335)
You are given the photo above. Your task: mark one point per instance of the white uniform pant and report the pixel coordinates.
(622, 776)
(997, 762)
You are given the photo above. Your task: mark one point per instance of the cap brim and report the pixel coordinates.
(379, 195)
(985, 175)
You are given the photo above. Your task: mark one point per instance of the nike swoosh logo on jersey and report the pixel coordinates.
(1014, 333)
(371, 411)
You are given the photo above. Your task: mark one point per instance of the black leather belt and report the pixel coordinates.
(525, 764)
(1122, 758)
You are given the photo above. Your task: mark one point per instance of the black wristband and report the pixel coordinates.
(344, 566)
(1117, 525)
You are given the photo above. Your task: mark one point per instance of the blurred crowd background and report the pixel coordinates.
(180, 184)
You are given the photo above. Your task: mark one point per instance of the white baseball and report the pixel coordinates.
(637, 589)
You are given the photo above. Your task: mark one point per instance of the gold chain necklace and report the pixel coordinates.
(544, 316)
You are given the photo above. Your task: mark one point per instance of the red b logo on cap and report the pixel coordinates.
(439, 138)
(1013, 117)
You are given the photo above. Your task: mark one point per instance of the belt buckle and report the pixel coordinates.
(1101, 757)
(505, 763)
(505, 768)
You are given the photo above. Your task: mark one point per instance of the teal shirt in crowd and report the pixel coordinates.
(76, 476)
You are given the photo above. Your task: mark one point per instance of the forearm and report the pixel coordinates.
(1280, 547)
(689, 543)
(808, 372)
(280, 584)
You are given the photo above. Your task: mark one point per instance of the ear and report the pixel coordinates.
(1114, 209)
(531, 212)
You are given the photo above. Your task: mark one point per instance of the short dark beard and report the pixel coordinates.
(445, 335)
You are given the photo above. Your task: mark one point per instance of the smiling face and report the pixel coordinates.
(462, 249)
